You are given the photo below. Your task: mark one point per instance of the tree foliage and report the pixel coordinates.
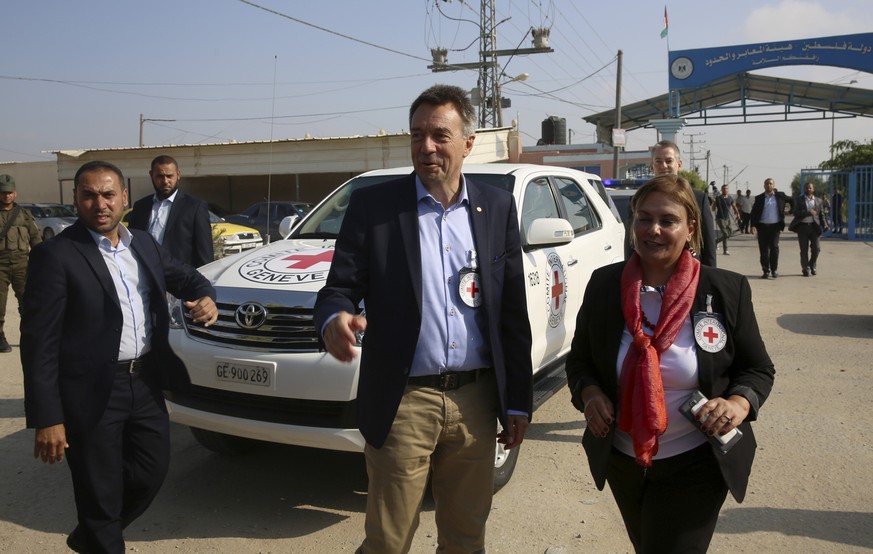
(696, 182)
(849, 153)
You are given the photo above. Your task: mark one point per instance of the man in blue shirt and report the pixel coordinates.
(768, 217)
(95, 355)
(436, 259)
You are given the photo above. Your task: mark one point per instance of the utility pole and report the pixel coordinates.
(707, 167)
(491, 103)
(692, 152)
(616, 149)
(490, 89)
(725, 174)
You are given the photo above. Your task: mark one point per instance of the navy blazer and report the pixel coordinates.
(71, 326)
(188, 235)
(378, 260)
(742, 367)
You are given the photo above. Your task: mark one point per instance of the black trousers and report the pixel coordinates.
(768, 245)
(671, 507)
(118, 466)
(807, 236)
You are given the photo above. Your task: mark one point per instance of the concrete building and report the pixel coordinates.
(232, 176)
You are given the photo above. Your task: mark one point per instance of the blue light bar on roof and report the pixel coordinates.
(624, 182)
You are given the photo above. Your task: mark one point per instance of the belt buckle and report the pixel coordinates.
(449, 381)
(132, 366)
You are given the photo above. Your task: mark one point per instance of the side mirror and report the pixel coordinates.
(549, 232)
(287, 224)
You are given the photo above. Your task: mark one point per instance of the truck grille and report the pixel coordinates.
(281, 329)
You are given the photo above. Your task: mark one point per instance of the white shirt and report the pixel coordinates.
(131, 286)
(810, 205)
(679, 375)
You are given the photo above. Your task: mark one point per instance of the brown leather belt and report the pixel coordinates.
(449, 380)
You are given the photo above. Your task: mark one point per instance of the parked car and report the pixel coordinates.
(259, 214)
(51, 218)
(233, 238)
(621, 191)
(259, 372)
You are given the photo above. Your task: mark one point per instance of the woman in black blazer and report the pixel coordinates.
(652, 331)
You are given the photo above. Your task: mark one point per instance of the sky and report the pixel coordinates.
(82, 75)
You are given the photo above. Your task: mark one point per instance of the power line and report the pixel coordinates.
(335, 33)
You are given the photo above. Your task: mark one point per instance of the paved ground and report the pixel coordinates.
(810, 491)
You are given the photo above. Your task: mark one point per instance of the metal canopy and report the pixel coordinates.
(743, 98)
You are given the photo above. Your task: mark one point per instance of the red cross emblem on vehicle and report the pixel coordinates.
(305, 261)
(557, 290)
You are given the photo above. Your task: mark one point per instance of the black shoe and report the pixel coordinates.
(765, 275)
(775, 275)
(4, 345)
(805, 273)
(812, 270)
(75, 543)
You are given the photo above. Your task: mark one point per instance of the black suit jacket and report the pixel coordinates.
(707, 230)
(758, 208)
(742, 367)
(71, 326)
(188, 235)
(378, 259)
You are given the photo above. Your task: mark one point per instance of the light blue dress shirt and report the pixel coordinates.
(770, 213)
(131, 286)
(453, 335)
(160, 215)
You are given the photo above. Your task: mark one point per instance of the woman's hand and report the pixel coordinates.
(599, 412)
(720, 415)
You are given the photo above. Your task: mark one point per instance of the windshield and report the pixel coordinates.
(326, 220)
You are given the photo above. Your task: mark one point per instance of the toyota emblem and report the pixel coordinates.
(251, 315)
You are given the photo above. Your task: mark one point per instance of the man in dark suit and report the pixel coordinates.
(768, 217)
(176, 220)
(666, 160)
(810, 222)
(436, 259)
(95, 355)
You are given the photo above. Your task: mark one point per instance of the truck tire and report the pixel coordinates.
(504, 465)
(228, 445)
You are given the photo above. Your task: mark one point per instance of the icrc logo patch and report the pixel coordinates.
(556, 290)
(286, 267)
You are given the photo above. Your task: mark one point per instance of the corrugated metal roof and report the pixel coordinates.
(745, 98)
(78, 152)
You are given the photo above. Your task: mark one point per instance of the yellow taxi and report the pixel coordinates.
(229, 238)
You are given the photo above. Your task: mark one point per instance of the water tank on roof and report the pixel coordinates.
(554, 130)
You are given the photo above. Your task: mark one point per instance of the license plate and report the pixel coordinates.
(246, 373)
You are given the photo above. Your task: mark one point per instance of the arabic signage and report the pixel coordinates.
(692, 68)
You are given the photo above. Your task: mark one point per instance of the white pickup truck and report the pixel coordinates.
(259, 373)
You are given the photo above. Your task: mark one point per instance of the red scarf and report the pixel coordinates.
(643, 411)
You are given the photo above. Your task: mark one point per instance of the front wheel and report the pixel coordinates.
(504, 465)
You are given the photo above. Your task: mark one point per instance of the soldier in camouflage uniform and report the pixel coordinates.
(17, 237)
